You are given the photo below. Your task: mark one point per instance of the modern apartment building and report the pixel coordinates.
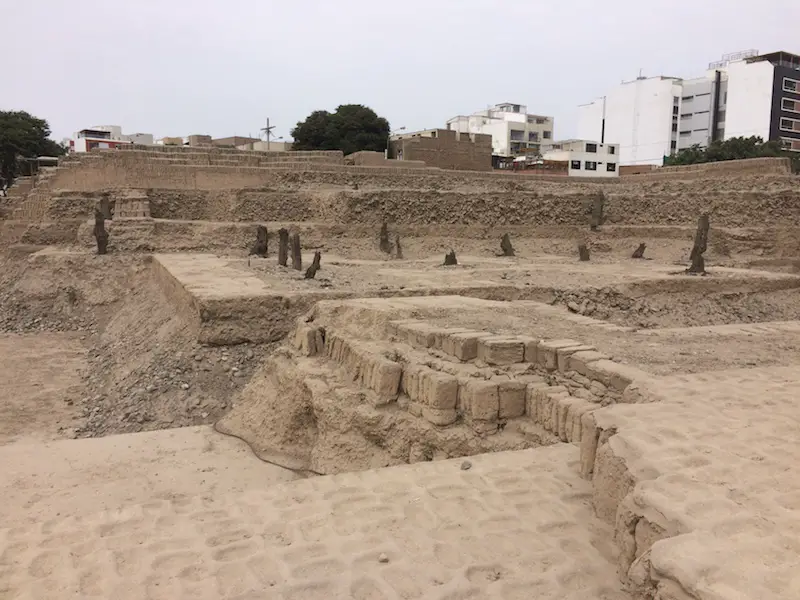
(764, 98)
(514, 131)
(744, 94)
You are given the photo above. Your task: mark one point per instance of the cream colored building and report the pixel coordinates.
(514, 131)
(585, 158)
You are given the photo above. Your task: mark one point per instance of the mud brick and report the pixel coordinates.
(531, 345)
(580, 361)
(562, 354)
(304, 339)
(615, 375)
(563, 424)
(440, 417)
(442, 335)
(511, 395)
(440, 390)
(385, 379)
(544, 404)
(394, 327)
(410, 381)
(483, 399)
(364, 366)
(464, 346)
(501, 350)
(577, 411)
(419, 335)
(546, 352)
(531, 398)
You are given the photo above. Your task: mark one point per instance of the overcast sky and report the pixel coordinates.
(178, 67)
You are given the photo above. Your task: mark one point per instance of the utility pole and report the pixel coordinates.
(268, 131)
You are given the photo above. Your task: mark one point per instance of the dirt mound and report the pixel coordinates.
(681, 309)
(145, 369)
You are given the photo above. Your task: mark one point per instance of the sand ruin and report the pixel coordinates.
(520, 424)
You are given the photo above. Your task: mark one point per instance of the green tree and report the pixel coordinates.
(732, 149)
(23, 135)
(351, 128)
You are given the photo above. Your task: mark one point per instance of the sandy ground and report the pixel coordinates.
(43, 481)
(39, 385)
(515, 525)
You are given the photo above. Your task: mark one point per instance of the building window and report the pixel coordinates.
(547, 134)
(676, 100)
(673, 145)
(591, 148)
(686, 133)
(575, 165)
(790, 105)
(685, 98)
(791, 85)
(533, 136)
(686, 116)
(611, 167)
(790, 144)
(433, 134)
(674, 128)
(790, 124)
(675, 110)
(517, 135)
(590, 165)
(540, 121)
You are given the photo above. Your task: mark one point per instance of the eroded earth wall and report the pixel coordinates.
(317, 188)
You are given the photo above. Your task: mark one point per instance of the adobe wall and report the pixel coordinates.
(448, 150)
(378, 159)
(755, 201)
(736, 168)
(758, 193)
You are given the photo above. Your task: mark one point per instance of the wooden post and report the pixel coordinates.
(100, 233)
(698, 266)
(297, 258)
(315, 266)
(385, 244)
(505, 246)
(283, 247)
(260, 247)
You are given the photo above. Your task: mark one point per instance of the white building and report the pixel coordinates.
(640, 116)
(585, 158)
(106, 136)
(745, 94)
(514, 131)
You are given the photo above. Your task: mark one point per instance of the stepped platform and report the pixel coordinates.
(251, 299)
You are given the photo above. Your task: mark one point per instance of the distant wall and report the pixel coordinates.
(750, 166)
(636, 169)
(446, 149)
(378, 159)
